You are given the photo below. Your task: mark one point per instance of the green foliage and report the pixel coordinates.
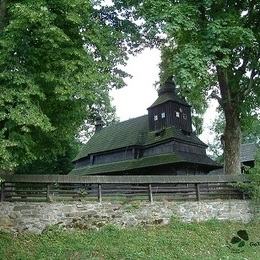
(212, 36)
(250, 133)
(59, 164)
(58, 60)
(251, 129)
(209, 240)
(132, 206)
(253, 187)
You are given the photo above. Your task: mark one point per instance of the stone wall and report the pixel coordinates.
(35, 217)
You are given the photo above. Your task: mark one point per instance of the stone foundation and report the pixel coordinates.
(35, 217)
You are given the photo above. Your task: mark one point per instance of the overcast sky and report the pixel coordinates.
(134, 99)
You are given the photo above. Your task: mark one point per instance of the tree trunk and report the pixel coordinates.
(2, 14)
(232, 144)
(232, 133)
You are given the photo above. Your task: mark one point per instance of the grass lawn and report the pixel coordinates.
(208, 240)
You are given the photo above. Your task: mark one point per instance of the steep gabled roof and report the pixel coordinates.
(116, 136)
(129, 133)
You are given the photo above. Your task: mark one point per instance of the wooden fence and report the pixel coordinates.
(39, 188)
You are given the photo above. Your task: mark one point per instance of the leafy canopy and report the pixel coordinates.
(58, 59)
(203, 35)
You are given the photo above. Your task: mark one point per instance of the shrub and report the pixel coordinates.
(253, 187)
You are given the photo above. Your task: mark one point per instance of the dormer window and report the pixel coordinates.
(177, 114)
(163, 114)
(155, 118)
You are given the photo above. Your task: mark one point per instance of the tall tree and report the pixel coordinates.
(58, 59)
(250, 134)
(212, 48)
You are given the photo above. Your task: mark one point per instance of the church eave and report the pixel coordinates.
(146, 162)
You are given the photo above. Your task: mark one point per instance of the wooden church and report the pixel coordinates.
(161, 142)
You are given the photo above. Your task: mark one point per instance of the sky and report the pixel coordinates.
(134, 99)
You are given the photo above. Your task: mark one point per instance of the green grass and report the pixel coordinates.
(178, 240)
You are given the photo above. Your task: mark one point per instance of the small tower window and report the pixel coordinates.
(155, 118)
(185, 116)
(163, 114)
(177, 114)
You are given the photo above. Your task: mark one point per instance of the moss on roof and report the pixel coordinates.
(128, 164)
(133, 132)
(162, 159)
(123, 134)
(169, 97)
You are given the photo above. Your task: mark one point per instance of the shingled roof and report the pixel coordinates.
(247, 152)
(157, 160)
(132, 132)
(135, 132)
(169, 97)
(167, 93)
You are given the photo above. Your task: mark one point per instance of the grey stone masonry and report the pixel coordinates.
(35, 217)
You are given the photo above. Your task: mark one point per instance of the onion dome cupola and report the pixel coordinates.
(169, 110)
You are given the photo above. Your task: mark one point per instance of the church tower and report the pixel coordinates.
(169, 110)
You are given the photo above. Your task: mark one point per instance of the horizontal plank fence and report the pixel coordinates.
(39, 188)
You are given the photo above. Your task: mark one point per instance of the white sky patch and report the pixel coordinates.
(211, 114)
(134, 99)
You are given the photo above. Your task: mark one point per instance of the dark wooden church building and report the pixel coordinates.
(161, 142)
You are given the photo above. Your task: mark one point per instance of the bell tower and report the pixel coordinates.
(169, 110)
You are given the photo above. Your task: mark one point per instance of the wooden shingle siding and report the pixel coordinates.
(170, 109)
(189, 148)
(158, 149)
(185, 124)
(124, 154)
(82, 162)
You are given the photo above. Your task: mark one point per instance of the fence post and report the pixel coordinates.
(48, 193)
(99, 193)
(2, 192)
(243, 195)
(150, 193)
(197, 191)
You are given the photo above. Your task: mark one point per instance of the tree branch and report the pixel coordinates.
(217, 97)
(251, 80)
(242, 68)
